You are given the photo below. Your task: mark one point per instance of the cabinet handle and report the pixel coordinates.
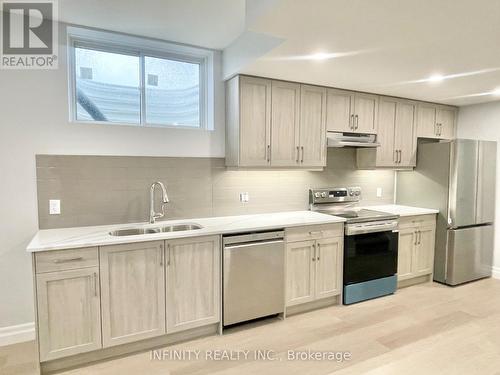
(400, 156)
(419, 237)
(57, 261)
(319, 251)
(416, 238)
(268, 153)
(95, 284)
(314, 253)
(298, 154)
(312, 233)
(440, 129)
(162, 254)
(302, 160)
(357, 122)
(351, 122)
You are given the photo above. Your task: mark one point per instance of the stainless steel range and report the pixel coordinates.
(370, 243)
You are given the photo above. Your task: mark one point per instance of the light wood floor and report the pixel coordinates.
(425, 329)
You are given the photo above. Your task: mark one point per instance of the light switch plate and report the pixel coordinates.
(379, 192)
(54, 207)
(244, 197)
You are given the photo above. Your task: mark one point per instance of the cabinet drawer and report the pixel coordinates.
(417, 221)
(59, 260)
(314, 232)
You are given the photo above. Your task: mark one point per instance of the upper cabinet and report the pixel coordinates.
(273, 123)
(285, 120)
(249, 105)
(312, 126)
(436, 121)
(396, 135)
(351, 112)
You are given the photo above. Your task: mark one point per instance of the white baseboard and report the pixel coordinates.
(16, 334)
(495, 272)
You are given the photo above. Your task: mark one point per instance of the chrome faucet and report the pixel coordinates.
(157, 215)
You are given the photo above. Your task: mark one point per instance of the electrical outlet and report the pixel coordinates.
(379, 192)
(54, 207)
(244, 197)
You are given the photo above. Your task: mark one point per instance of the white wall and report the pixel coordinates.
(482, 121)
(34, 120)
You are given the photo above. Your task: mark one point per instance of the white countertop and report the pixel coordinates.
(71, 238)
(397, 209)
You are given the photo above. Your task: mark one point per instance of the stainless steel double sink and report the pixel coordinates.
(154, 230)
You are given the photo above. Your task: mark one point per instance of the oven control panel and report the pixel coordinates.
(332, 195)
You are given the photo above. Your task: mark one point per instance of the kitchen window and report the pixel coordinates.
(116, 79)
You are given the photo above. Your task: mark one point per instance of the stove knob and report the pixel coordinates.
(317, 195)
(351, 193)
(357, 193)
(323, 194)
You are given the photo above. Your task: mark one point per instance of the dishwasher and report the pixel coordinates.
(254, 276)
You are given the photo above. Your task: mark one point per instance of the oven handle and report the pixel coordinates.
(352, 230)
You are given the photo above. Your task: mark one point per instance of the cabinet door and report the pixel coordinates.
(301, 261)
(406, 248)
(339, 114)
(386, 155)
(424, 251)
(445, 119)
(255, 121)
(132, 292)
(365, 111)
(312, 126)
(426, 121)
(69, 320)
(193, 283)
(405, 138)
(328, 267)
(285, 123)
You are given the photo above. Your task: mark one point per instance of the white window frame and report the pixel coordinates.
(139, 46)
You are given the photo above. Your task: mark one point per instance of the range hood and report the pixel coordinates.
(337, 139)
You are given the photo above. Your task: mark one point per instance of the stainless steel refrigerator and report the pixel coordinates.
(458, 178)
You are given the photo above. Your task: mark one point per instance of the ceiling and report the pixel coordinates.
(206, 23)
(389, 47)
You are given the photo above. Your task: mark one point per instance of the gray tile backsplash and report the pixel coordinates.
(98, 190)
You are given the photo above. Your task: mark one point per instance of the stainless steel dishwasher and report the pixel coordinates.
(254, 276)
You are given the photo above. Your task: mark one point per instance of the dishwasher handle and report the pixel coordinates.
(250, 244)
(242, 238)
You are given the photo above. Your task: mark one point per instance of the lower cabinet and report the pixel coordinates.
(416, 247)
(132, 292)
(69, 317)
(314, 270)
(193, 283)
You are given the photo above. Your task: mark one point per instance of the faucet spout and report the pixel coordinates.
(153, 215)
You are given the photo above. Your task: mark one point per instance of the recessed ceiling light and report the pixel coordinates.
(436, 78)
(321, 56)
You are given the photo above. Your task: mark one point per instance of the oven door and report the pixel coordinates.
(370, 256)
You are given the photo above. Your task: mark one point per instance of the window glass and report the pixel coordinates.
(107, 86)
(172, 92)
